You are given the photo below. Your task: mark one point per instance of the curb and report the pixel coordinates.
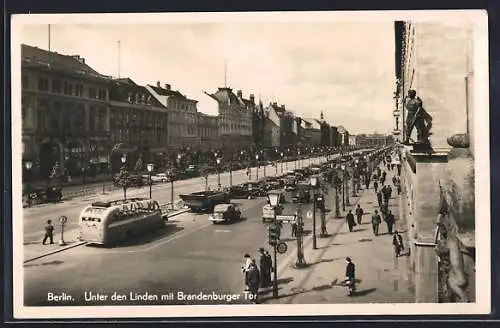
(55, 251)
(83, 242)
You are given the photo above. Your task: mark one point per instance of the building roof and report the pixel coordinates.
(311, 123)
(341, 129)
(126, 90)
(168, 93)
(74, 63)
(226, 96)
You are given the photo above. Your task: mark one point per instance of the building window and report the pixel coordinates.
(92, 93)
(25, 82)
(102, 94)
(56, 86)
(79, 90)
(68, 88)
(43, 84)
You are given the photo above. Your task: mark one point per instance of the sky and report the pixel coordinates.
(343, 68)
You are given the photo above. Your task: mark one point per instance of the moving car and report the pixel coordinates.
(225, 213)
(203, 200)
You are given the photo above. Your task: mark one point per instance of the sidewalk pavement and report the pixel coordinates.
(381, 277)
(35, 249)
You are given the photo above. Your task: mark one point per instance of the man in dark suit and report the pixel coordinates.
(350, 275)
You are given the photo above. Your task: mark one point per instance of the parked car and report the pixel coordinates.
(160, 177)
(225, 213)
(191, 171)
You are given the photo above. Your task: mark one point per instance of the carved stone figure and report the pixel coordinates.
(418, 118)
(456, 218)
(450, 249)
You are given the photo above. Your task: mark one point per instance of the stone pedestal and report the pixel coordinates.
(422, 171)
(426, 270)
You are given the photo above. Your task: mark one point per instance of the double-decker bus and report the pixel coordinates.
(109, 223)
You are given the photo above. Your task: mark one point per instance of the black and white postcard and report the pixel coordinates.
(244, 164)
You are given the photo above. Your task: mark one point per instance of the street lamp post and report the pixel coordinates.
(28, 165)
(314, 182)
(274, 202)
(336, 187)
(301, 261)
(263, 159)
(172, 178)
(282, 163)
(257, 167)
(150, 170)
(218, 160)
(343, 187)
(124, 186)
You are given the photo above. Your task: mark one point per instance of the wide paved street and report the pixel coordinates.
(191, 255)
(34, 218)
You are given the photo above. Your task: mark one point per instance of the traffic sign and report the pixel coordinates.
(286, 218)
(309, 214)
(281, 248)
(63, 219)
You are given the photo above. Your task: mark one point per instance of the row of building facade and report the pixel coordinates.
(74, 115)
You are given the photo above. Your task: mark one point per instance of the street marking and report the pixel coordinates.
(218, 230)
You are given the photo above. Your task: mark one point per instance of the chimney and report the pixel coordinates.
(158, 84)
(167, 86)
(240, 94)
(252, 98)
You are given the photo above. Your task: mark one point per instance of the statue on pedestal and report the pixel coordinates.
(418, 118)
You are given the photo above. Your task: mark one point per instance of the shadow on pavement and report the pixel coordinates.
(299, 290)
(363, 292)
(324, 261)
(44, 263)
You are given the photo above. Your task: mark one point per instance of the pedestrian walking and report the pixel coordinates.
(367, 181)
(397, 241)
(247, 261)
(294, 229)
(49, 232)
(271, 268)
(375, 185)
(350, 276)
(359, 214)
(376, 220)
(389, 220)
(253, 281)
(350, 220)
(385, 194)
(379, 198)
(265, 269)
